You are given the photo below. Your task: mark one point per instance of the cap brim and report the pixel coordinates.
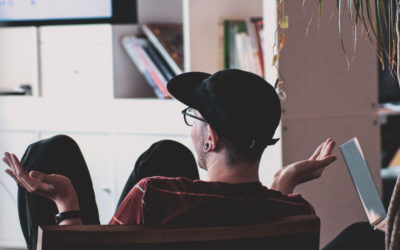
(183, 86)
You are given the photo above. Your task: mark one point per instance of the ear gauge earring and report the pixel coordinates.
(206, 146)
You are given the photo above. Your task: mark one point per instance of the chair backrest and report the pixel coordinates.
(297, 232)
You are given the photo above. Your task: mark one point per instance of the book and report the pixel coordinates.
(136, 49)
(221, 46)
(244, 52)
(259, 24)
(256, 43)
(231, 28)
(168, 40)
(159, 62)
(241, 48)
(225, 46)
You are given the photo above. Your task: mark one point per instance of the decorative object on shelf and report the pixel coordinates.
(149, 63)
(167, 38)
(24, 89)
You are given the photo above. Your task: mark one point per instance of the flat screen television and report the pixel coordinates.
(53, 12)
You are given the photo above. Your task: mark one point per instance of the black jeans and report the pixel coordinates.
(61, 155)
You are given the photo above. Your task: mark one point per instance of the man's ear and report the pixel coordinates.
(212, 138)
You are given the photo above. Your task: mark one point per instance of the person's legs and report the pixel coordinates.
(57, 155)
(164, 158)
(358, 236)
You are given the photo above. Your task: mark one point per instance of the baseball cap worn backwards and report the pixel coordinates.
(239, 105)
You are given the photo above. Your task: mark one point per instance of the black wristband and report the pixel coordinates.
(67, 215)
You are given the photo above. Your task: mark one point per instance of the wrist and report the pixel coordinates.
(284, 182)
(65, 206)
(68, 203)
(289, 181)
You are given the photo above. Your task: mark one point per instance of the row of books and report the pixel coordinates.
(158, 54)
(243, 45)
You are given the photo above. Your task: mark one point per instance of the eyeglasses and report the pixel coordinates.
(189, 117)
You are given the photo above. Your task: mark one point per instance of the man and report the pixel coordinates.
(234, 115)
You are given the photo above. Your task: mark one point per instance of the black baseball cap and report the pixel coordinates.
(239, 105)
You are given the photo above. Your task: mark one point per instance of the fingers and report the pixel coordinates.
(39, 176)
(7, 158)
(8, 161)
(21, 184)
(323, 150)
(17, 172)
(34, 182)
(16, 165)
(21, 174)
(317, 152)
(327, 149)
(11, 171)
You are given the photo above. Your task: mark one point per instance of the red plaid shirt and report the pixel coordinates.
(180, 201)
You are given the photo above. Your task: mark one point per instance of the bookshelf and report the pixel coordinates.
(85, 85)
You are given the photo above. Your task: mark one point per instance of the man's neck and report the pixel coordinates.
(219, 170)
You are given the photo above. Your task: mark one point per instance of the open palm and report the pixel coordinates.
(287, 178)
(312, 168)
(53, 186)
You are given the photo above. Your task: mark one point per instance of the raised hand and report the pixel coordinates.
(55, 187)
(287, 178)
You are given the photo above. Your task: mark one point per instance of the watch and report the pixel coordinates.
(67, 215)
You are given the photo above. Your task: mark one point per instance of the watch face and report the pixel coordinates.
(58, 218)
(67, 215)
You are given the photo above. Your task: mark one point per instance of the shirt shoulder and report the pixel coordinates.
(131, 208)
(195, 202)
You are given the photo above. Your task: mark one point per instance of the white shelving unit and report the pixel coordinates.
(87, 87)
